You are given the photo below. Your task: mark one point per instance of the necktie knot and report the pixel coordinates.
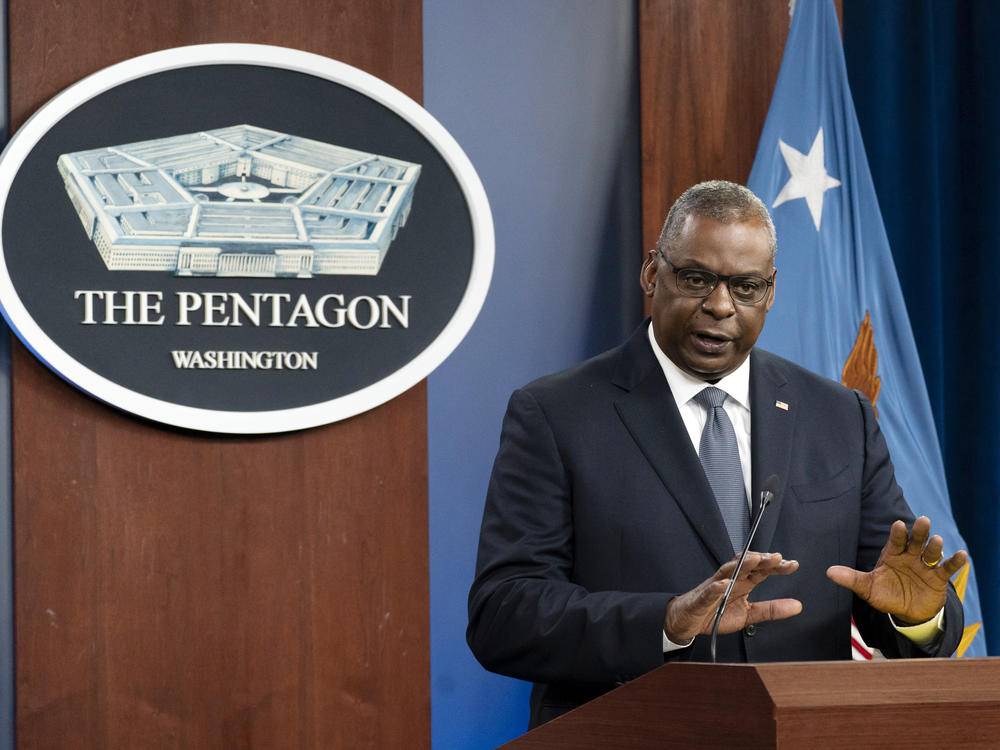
(711, 397)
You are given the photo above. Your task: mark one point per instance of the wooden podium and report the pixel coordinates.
(911, 703)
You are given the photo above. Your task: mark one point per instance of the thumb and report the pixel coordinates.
(848, 578)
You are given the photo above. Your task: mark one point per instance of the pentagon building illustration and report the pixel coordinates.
(239, 201)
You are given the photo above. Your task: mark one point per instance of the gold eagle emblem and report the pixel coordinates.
(861, 368)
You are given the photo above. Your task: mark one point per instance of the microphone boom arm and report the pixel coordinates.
(766, 495)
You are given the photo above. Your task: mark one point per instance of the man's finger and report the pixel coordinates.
(749, 579)
(850, 578)
(954, 563)
(753, 560)
(898, 537)
(756, 576)
(767, 563)
(918, 535)
(774, 609)
(773, 563)
(756, 567)
(698, 603)
(786, 567)
(933, 552)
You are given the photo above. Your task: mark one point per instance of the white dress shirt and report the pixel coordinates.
(685, 387)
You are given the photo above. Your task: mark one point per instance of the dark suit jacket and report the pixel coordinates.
(599, 512)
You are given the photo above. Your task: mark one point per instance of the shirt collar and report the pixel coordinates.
(684, 387)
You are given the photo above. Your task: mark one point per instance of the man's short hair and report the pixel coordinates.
(723, 201)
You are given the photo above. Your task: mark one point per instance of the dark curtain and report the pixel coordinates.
(925, 75)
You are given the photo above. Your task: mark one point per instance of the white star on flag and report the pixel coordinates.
(809, 178)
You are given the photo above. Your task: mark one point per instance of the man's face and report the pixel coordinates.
(709, 337)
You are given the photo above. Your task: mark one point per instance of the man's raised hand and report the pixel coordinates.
(910, 579)
(692, 613)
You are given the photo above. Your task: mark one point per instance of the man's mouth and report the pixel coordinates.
(709, 342)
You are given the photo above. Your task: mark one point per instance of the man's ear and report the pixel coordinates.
(647, 276)
(774, 287)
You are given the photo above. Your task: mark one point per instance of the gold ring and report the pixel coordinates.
(933, 564)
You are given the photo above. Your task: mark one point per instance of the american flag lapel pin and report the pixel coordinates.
(781, 405)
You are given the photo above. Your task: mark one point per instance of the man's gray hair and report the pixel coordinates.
(723, 201)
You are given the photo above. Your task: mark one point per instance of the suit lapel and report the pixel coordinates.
(650, 414)
(773, 405)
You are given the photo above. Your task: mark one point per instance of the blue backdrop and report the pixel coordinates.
(924, 74)
(543, 96)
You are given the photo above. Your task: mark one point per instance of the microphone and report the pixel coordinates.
(770, 491)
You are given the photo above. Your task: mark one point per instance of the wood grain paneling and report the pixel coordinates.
(54, 43)
(182, 590)
(707, 71)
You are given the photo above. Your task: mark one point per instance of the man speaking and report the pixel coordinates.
(625, 486)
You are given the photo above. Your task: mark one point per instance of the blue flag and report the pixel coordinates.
(839, 308)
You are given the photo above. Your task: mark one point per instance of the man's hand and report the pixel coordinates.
(692, 613)
(910, 579)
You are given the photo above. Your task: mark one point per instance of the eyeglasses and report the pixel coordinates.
(745, 289)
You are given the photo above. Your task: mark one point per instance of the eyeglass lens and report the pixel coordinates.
(697, 283)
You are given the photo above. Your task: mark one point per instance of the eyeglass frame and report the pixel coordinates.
(719, 278)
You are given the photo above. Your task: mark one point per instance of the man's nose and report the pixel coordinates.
(719, 304)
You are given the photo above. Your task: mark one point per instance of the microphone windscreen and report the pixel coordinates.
(771, 486)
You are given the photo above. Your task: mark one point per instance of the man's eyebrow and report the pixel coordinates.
(684, 264)
(688, 263)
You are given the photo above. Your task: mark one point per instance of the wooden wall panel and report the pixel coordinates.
(707, 72)
(181, 590)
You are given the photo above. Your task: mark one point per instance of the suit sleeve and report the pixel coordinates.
(527, 618)
(882, 504)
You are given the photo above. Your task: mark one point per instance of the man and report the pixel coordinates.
(621, 493)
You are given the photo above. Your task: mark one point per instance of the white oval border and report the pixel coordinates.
(281, 420)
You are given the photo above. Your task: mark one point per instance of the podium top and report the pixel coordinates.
(931, 703)
(846, 683)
